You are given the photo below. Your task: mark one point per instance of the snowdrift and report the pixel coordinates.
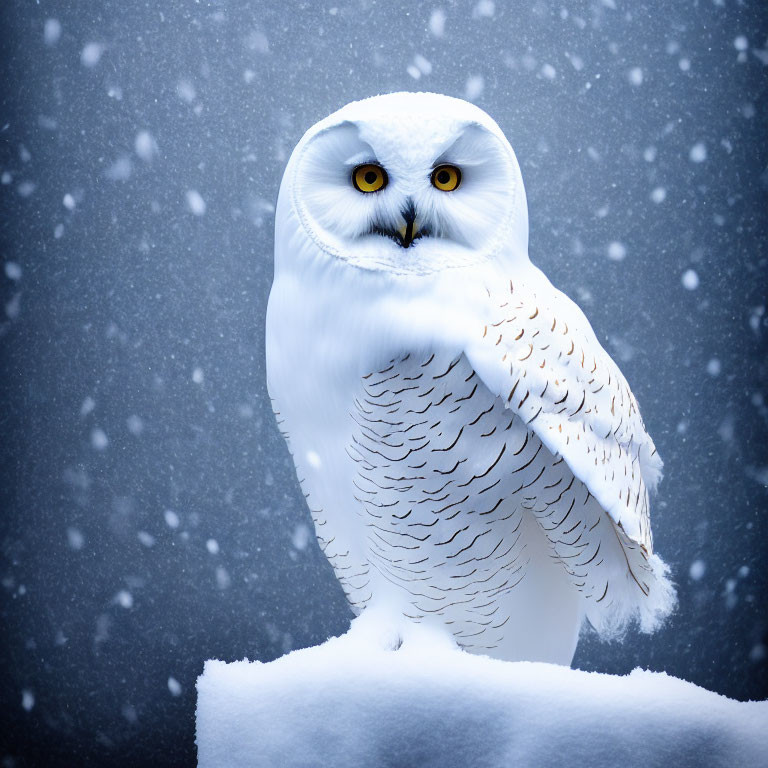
(352, 703)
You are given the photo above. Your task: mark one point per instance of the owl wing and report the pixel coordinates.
(539, 354)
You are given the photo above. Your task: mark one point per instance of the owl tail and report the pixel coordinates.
(620, 580)
(637, 588)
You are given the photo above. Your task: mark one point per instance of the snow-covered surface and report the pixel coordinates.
(351, 703)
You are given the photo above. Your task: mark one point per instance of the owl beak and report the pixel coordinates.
(410, 229)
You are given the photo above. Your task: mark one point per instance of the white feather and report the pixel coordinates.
(346, 300)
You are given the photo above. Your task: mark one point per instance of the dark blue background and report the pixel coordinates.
(121, 293)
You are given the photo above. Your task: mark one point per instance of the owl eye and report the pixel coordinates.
(369, 178)
(446, 178)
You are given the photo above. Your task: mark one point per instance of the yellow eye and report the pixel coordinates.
(446, 178)
(369, 178)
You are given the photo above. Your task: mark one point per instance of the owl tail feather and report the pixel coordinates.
(639, 589)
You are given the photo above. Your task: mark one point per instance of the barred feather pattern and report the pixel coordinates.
(445, 474)
(550, 369)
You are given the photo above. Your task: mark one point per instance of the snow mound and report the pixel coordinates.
(346, 703)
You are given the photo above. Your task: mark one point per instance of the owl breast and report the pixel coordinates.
(451, 488)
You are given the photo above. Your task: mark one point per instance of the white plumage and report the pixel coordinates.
(472, 458)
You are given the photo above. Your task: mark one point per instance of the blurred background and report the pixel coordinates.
(150, 517)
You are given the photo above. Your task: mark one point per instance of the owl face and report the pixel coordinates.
(408, 182)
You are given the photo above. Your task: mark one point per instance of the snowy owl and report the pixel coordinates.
(472, 458)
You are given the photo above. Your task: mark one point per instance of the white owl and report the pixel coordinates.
(472, 457)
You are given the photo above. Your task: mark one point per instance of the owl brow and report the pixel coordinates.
(457, 152)
(460, 159)
(361, 158)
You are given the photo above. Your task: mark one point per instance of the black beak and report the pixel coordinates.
(411, 230)
(408, 233)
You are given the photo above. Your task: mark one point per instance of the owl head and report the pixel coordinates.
(407, 182)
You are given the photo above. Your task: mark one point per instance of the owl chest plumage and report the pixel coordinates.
(446, 482)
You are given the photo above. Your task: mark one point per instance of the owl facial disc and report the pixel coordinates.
(373, 178)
